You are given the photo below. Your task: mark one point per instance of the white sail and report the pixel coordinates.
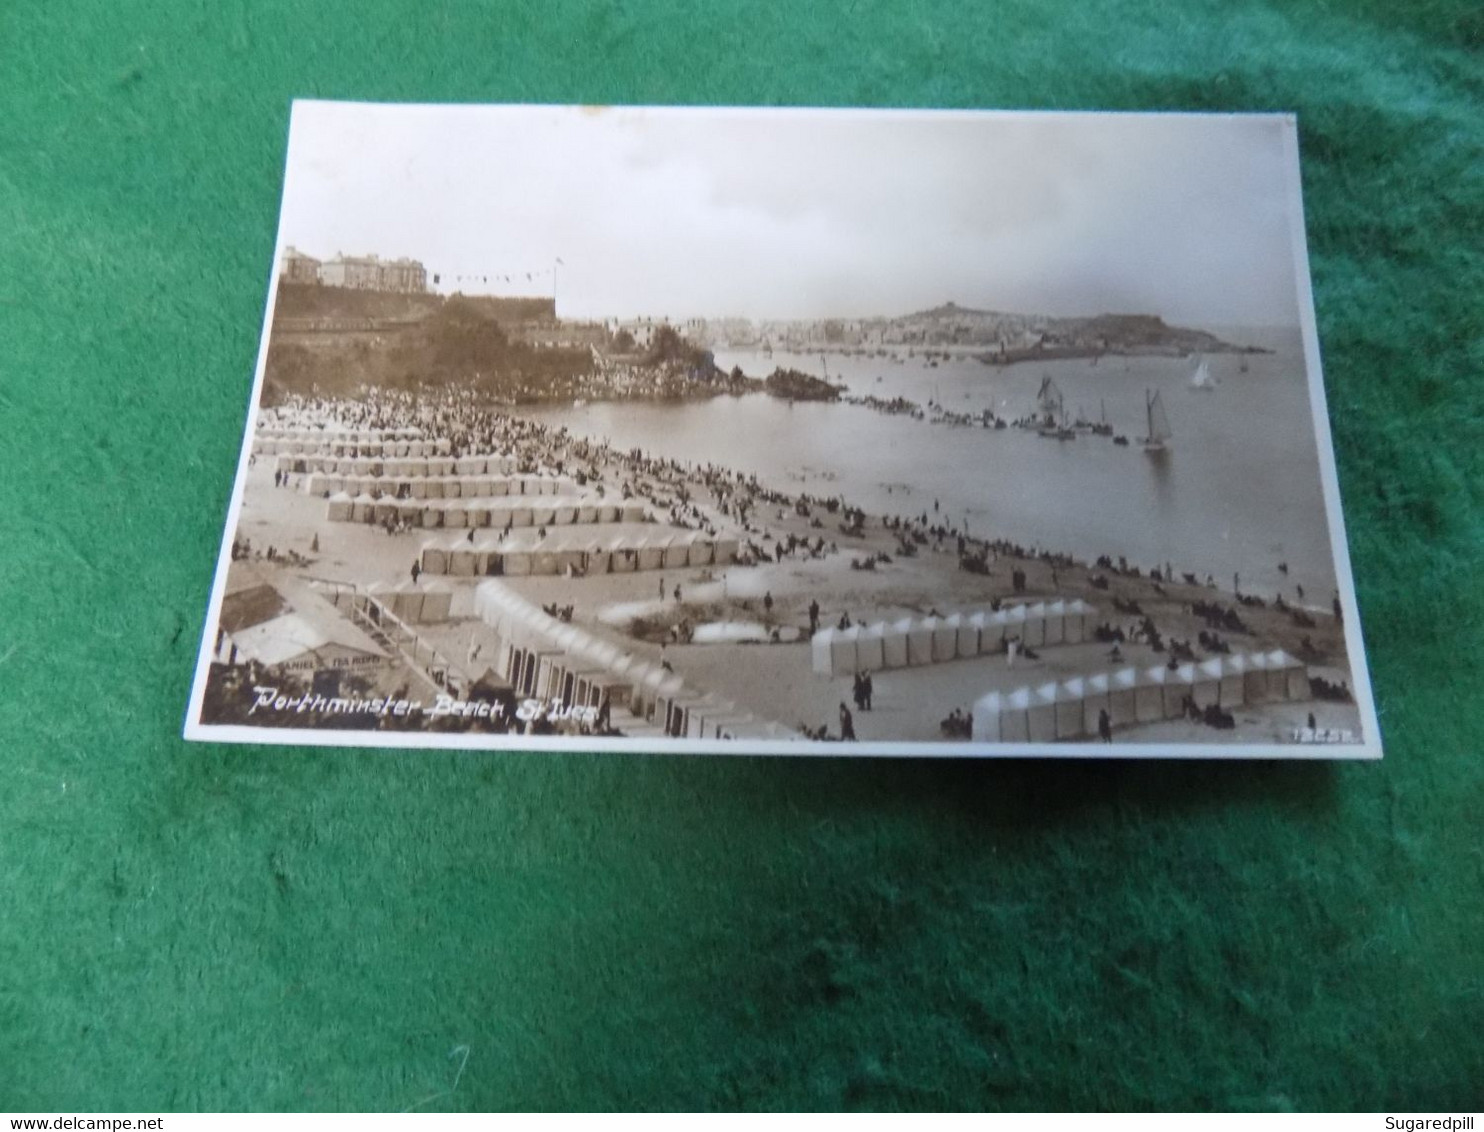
(1159, 423)
(1050, 399)
(1201, 378)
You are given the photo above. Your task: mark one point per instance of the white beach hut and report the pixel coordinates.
(1123, 696)
(1034, 634)
(945, 638)
(437, 602)
(843, 660)
(969, 630)
(434, 558)
(894, 643)
(700, 549)
(1076, 627)
(1041, 714)
(920, 640)
(1179, 686)
(986, 715)
(870, 651)
(1056, 622)
(1070, 708)
(340, 508)
(1234, 681)
(1096, 698)
(1149, 694)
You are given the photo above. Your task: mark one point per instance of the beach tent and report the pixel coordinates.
(455, 513)
(340, 509)
(407, 601)
(363, 509)
(701, 550)
(587, 512)
(1233, 681)
(543, 559)
(821, 652)
(1097, 697)
(463, 559)
(1056, 622)
(1149, 694)
(945, 638)
(564, 514)
(1078, 622)
(1256, 679)
(633, 511)
(1014, 622)
(1205, 682)
(1034, 633)
(1041, 714)
(517, 560)
(1070, 709)
(434, 558)
(987, 713)
(432, 487)
(608, 512)
(992, 633)
(870, 652)
(595, 557)
(969, 630)
(317, 484)
(622, 557)
(489, 555)
(843, 660)
(410, 511)
(477, 512)
(542, 514)
(569, 558)
(651, 553)
(385, 510)
(469, 465)
(920, 641)
(437, 602)
(677, 552)
(894, 643)
(1179, 686)
(417, 488)
(432, 513)
(1287, 678)
(497, 486)
(726, 550)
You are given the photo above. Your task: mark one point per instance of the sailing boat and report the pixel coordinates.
(1201, 380)
(1157, 441)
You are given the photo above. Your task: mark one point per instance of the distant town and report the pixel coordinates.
(384, 308)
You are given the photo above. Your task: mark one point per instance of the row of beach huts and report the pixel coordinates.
(548, 659)
(499, 512)
(576, 552)
(1070, 710)
(933, 640)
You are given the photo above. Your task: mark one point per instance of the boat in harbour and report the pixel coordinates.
(1201, 380)
(1156, 441)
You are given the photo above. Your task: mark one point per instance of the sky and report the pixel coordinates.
(809, 214)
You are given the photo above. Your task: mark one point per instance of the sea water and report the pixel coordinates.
(1238, 492)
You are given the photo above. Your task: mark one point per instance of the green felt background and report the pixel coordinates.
(196, 926)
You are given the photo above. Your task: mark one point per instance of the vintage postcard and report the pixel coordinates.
(788, 431)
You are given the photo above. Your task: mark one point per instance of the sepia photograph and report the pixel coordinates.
(821, 432)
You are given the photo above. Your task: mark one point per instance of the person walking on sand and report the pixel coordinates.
(814, 616)
(867, 688)
(858, 692)
(1105, 726)
(662, 587)
(847, 723)
(416, 570)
